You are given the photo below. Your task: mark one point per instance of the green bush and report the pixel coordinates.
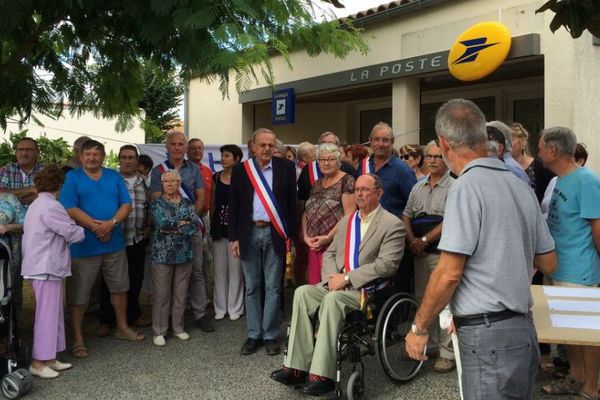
(56, 151)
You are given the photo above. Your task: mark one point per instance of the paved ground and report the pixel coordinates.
(208, 366)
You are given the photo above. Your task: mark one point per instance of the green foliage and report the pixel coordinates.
(162, 96)
(55, 151)
(93, 51)
(575, 15)
(112, 160)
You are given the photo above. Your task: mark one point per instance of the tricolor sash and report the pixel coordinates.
(314, 172)
(266, 197)
(365, 166)
(184, 191)
(351, 257)
(352, 243)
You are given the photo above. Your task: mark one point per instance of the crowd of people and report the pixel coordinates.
(456, 222)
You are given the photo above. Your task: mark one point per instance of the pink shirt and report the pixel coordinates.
(48, 232)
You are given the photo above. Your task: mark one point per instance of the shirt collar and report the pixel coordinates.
(369, 216)
(443, 182)
(268, 166)
(485, 162)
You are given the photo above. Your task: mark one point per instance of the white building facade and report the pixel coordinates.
(546, 80)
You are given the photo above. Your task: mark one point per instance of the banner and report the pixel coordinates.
(212, 154)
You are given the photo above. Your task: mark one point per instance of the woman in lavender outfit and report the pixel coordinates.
(48, 232)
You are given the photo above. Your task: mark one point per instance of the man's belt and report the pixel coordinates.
(262, 224)
(481, 319)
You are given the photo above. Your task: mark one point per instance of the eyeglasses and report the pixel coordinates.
(364, 190)
(27, 149)
(434, 156)
(383, 140)
(327, 160)
(406, 156)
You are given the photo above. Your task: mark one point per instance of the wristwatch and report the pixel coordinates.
(115, 221)
(346, 278)
(416, 331)
(424, 239)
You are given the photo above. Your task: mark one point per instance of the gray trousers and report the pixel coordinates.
(439, 339)
(170, 292)
(303, 352)
(198, 281)
(499, 359)
(229, 281)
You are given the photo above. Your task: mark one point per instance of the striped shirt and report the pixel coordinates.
(134, 225)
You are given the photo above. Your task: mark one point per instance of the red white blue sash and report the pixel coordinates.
(351, 256)
(352, 243)
(314, 172)
(365, 166)
(184, 191)
(266, 196)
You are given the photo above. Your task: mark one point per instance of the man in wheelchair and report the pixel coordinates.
(367, 248)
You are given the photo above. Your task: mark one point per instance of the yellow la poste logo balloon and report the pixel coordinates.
(479, 51)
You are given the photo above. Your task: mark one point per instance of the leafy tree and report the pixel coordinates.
(162, 95)
(55, 151)
(91, 51)
(575, 15)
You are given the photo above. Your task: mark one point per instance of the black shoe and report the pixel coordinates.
(273, 347)
(205, 324)
(318, 386)
(290, 377)
(251, 345)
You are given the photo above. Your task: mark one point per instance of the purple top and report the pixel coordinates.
(48, 232)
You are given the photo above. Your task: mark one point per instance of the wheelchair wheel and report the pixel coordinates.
(356, 388)
(16, 384)
(393, 324)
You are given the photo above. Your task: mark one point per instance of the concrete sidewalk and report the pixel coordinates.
(208, 366)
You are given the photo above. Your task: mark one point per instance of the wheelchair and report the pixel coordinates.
(378, 329)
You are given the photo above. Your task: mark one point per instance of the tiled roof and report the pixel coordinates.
(380, 8)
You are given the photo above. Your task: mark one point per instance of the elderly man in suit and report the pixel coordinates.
(262, 218)
(378, 238)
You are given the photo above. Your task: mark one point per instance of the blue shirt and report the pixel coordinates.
(397, 179)
(516, 168)
(191, 179)
(258, 211)
(575, 201)
(100, 199)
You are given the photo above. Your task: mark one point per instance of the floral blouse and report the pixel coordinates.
(172, 242)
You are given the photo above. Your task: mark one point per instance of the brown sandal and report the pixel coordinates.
(78, 350)
(129, 335)
(586, 396)
(566, 386)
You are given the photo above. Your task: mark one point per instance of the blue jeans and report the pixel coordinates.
(262, 267)
(499, 359)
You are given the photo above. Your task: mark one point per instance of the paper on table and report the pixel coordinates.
(574, 305)
(575, 321)
(557, 291)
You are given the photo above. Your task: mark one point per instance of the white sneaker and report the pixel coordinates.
(182, 336)
(59, 366)
(219, 316)
(234, 317)
(45, 373)
(159, 341)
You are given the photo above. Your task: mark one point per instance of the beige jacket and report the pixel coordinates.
(380, 252)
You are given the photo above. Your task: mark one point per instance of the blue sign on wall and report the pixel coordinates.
(283, 107)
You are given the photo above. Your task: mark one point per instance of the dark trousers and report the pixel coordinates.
(136, 255)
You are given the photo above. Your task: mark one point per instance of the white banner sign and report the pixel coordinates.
(212, 154)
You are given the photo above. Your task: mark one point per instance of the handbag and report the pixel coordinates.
(424, 223)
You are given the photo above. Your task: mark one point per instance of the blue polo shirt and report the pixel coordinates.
(100, 199)
(191, 179)
(397, 179)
